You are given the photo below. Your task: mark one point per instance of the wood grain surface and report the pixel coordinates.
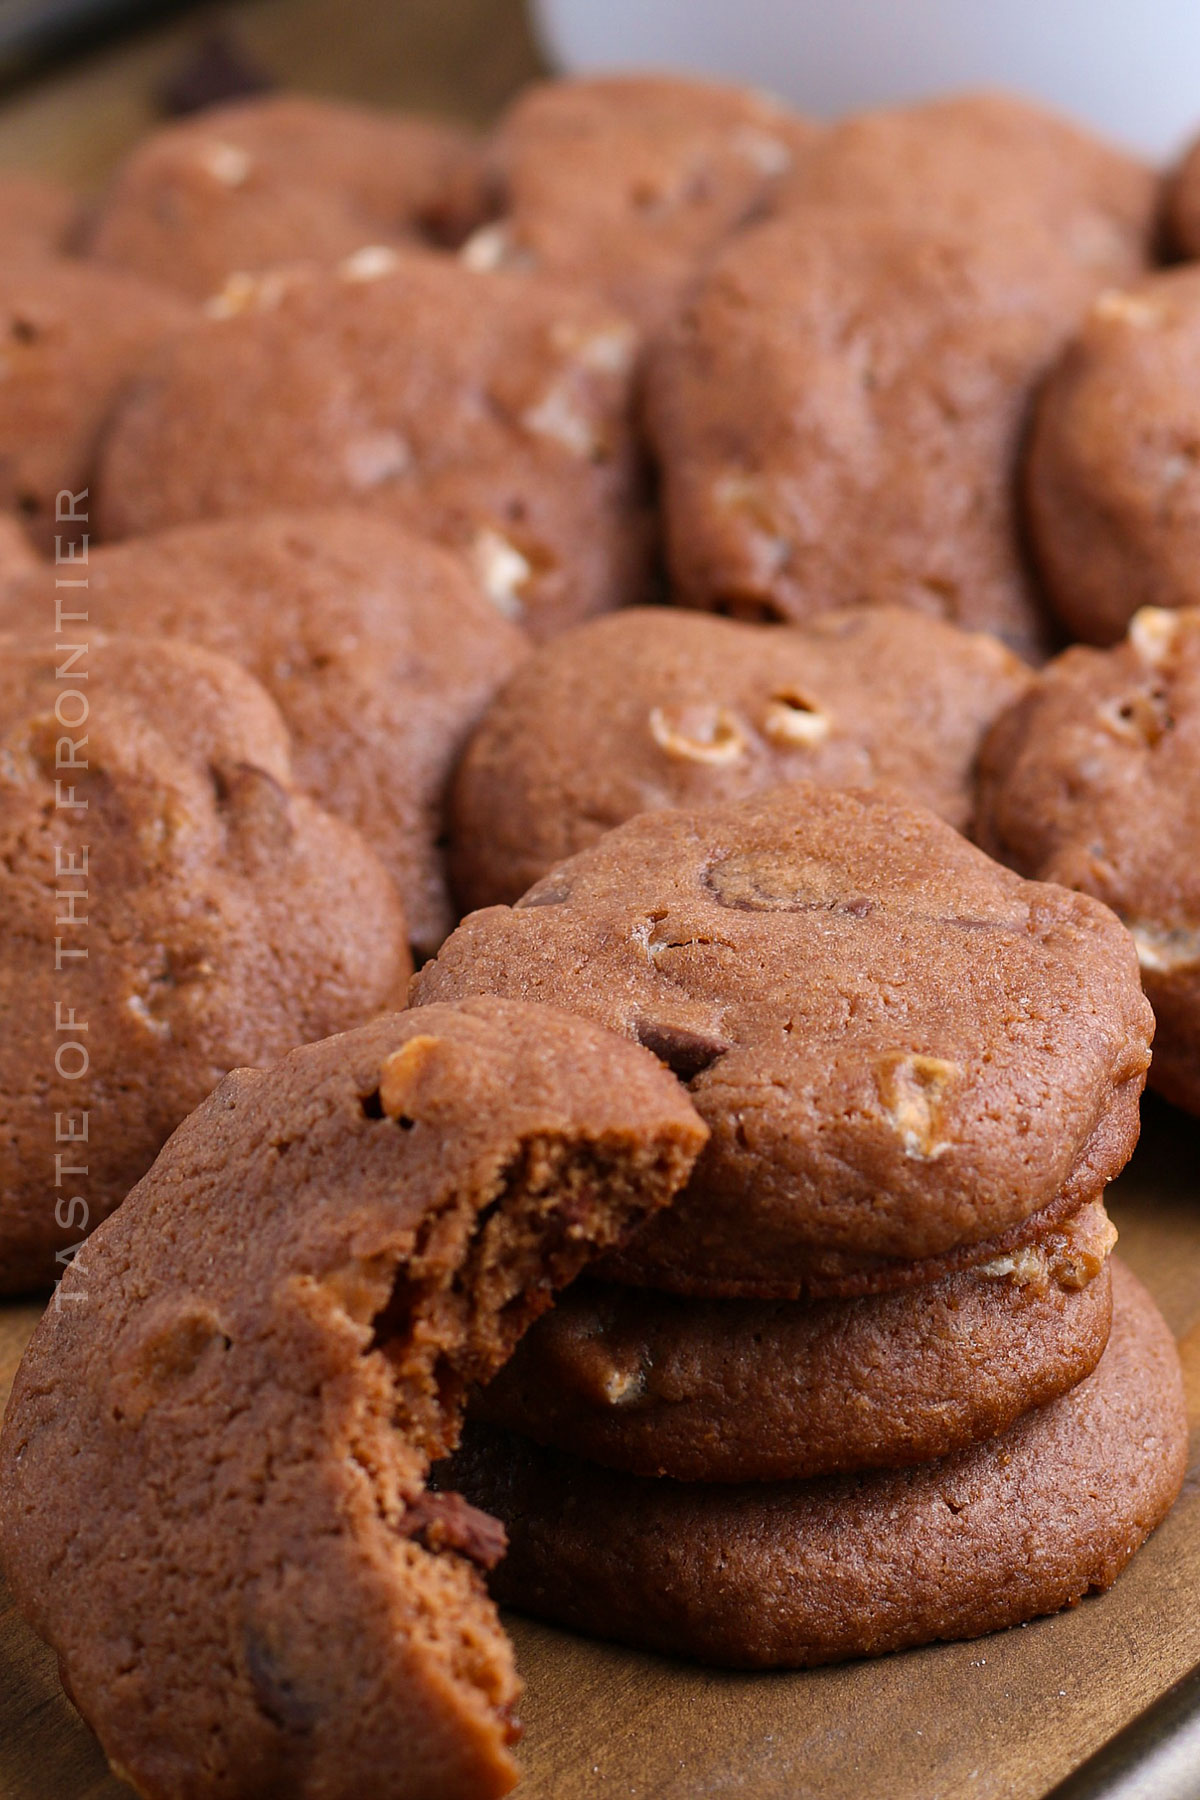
(999, 1719)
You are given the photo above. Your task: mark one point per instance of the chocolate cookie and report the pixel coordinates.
(651, 708)
(790, 1574)
(626, 183)
(988, 164)
(228, 1420)
(838, 413)
(1112, 479)
(289, 178)
(71, 338)
(173, 909)
(1093, 780)
(903, 1050)
(377, 646)
(497, 419)
(754, 1390)
(37, 215)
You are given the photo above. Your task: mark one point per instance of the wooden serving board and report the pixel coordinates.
(1000, 1719)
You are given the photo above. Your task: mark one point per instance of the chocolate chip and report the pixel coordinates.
(448, 1522)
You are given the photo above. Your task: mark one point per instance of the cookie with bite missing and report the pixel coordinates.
(790, 1574)
(228, 1419)
(71, 337)
(909, 1057)
(651, 708)
(838, 414)
(1093, 780)
(758, 1390)
(626, 184)
(379, 647)
(174, 908)
(988, 164)
(497, 419)
(1112, 475)
(283, 179)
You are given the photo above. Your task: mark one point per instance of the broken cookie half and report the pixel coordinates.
(213, 1465)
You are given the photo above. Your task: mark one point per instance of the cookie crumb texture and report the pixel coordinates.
(867, 1118)
(498, 420)
(651, 708)
(225, 917)
(773, 1575)
(214, 1458)
(1093, 780)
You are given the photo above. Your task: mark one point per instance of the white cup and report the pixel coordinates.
(1128, 67)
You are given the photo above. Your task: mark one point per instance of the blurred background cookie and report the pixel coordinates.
(655, 707)
(165, 888)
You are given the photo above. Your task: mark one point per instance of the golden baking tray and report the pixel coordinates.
(1003, 1718)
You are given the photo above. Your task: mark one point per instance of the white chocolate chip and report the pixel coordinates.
(700, 733)
(769, 155)
(793, 721)
(141, 1012)
(1127, 309)
(245, 293)
(376, 457)
(369, 264)
(1152, 633)
(502, 571)
(913, 1090)
(745, 494)
(1165, 948)
(607, 352)
(492, 247)
(226, 163)
(558, 416)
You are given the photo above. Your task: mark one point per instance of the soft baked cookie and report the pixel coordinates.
(792, 1573)
(1093, 780)
(988, 163)
(626, 183)
(489, 410)
(1112, 475)
(227, 1421)
(70, 338)
(762, 1390)
(378, 647)
(37, 214)
(173, 908)
(288, 178)
(903, 1050)
(652, 707)
(838, 413)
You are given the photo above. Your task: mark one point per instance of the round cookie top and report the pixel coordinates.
(838, 414)
(901, 1047)
(378, 646)
(626, 183)
(288, 178)
(276, 1330)
(1112, 478)
(649, 708)
(166, 889)
(1093, 780)
(988, 163)
(787, 1574)
(37, 215)
(72, 337)
(498, 419)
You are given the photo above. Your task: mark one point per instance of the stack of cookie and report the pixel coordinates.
(852, 1392)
